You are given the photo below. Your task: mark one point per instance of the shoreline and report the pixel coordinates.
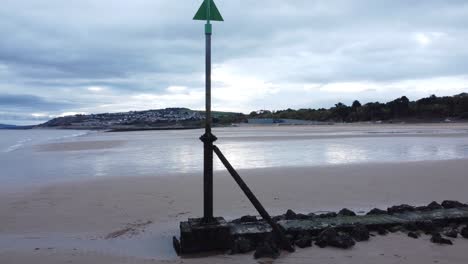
(248, 125)
(218, 173)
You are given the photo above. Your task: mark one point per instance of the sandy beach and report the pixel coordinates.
(233, 132)
(132, 219)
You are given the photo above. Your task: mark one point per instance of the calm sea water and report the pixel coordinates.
(159, 153)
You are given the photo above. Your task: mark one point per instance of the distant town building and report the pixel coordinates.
(262, 121)
(283, 121)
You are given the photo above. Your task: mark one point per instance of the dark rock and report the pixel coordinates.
(377, 211)
(267, 250)
(410, 227)
(464, 232)
(331, 237)
(242, 245)
(328, 215)
(302, 217)
(421, 208)
(452, 233)
(413, 235)
(321, 243)
(434, 206)
(442, 222)
(303, 242)
(452, 204)
(400, 209)
(246, 219)
(290, 215)
(343, 241)
(360, 233)
(278, 218)
(311, 216)
(282, 230)
(176, 245)
(381, 231)
(427, 226)
(302, 234)
(438, 239)
(396, 228)
(346, 212)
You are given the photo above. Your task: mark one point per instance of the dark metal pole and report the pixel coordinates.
(283, 239)
(208, 138)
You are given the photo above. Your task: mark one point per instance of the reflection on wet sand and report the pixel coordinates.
(153, 153)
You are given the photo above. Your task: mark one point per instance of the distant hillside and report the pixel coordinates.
(3, 126)
(430, 109)
(150, 119)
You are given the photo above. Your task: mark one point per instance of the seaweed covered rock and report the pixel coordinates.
(346, 212)
(331, 237)
(400, 209)
(438, 239)
(360, 233)
(413, 235)
(377, 211)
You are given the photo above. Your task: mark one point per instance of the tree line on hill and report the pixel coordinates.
(429, 108)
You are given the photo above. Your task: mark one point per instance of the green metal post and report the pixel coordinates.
(208, 139)
(208, 12)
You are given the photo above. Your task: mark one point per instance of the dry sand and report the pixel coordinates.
(132, 220)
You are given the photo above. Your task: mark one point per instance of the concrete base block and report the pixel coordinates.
(197, 236)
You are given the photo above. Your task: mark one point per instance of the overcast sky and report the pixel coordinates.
(90, 56)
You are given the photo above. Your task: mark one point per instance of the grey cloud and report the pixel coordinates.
(62, 47)
(31, 103)
(144, 46)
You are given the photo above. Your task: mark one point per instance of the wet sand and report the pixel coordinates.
(75, 221)
(393, 248)
(80, 145)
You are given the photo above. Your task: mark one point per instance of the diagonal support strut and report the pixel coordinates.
(285, 243)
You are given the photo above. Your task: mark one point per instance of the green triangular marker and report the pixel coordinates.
(215, 15)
